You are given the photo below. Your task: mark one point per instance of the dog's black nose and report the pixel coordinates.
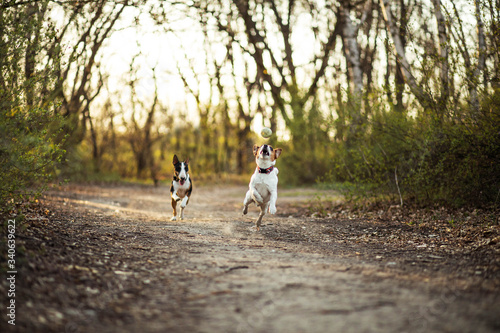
(266, 150)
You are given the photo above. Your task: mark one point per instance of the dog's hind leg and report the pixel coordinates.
(263, 210)
(174, 206)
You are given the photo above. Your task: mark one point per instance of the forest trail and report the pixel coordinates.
(110, 260)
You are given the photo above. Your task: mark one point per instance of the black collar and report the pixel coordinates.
(266, 171)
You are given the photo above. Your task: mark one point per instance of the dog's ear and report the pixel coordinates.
(187, 160)
(277, 153)
(176, 160)
(255, 149)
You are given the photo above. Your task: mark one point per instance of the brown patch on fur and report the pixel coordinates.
(276, 153)
(255, 150)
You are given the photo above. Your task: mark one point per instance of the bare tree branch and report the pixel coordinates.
(424, 99)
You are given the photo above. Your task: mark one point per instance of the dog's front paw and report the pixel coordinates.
(173, 218)
(272, 210)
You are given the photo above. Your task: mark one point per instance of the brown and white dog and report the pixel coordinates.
(181, 187)
(263, 187)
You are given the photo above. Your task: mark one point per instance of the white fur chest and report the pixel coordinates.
(270, 179)
(264, 184)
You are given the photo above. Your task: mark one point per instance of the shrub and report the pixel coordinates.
(28, 122)
(28, 153)
(453, 161)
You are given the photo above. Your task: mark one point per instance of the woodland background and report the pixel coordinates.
(381, 98)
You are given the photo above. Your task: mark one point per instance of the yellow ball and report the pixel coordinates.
(266, 132)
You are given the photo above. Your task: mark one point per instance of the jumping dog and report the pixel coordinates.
(263, 187)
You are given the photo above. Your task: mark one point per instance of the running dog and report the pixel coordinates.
(263, 187)
(181, 187)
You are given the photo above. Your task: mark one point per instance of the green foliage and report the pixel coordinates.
(28, 122)
(454, 160)
(27, 153)
(459, 160)
(308, 153)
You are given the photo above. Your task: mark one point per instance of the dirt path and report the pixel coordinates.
(110, 260)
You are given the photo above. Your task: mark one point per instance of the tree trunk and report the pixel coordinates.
(350, 32)
(399, 76)
(443, 55)
(481, 46)
(424, 99)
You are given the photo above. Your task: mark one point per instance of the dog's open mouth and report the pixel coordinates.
(266, 150)
(182, 181)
